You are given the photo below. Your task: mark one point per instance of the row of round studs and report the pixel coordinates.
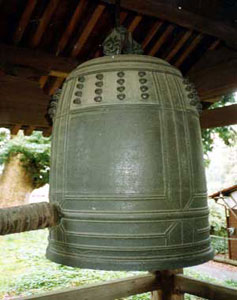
(192, 95)
(143, 87)
(78, 93)
(121, 87)
(98, 91)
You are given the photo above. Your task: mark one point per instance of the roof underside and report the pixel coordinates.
(42, 41)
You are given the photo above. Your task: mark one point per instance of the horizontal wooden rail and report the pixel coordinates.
(207, 290)
(218, 117)
(104, 291)
(150, 282)
(225, 260)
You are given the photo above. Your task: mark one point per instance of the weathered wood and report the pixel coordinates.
(22, 102)
(25, 18)
(155, 27)
(218, 117)
(15, 129)
(87, 30)
(226, 261)
(36, 59)
(214, 45)
(135, 22)
(161, 40)
(188, 50)
(204, 289)
(28, 131)
(28, 217)
(166, 289)
(44, 21)
(104, 291)
(71, 26)
(56, 85)
(168, 10)
(42, 81)
(178, 45)
(215, 74)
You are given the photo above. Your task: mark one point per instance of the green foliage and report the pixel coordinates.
(217, 218)
(226, 133)
(25, 270)
(34, 154)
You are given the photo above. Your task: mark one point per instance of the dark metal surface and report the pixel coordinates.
(127, 168)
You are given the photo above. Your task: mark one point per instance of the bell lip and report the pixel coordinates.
(156, 265)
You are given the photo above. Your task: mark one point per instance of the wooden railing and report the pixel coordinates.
(165, 285)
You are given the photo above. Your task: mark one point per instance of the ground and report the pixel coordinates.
(26, 271)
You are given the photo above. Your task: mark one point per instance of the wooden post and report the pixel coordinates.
(167, 290)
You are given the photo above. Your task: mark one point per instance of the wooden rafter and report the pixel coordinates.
(56, 85)
(87, 30)
(168, 10)
(24, 20)
(44, 21)
(188, 50)
(71, 26)
(214, 45)
(22, 102)
(35, 59)
(42, 81)
(179, 45)
(161, 40)
(215, 75)
(135, 22)
(151, 33)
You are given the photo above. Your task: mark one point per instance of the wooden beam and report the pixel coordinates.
(218, 117)
(115, 289)
(35, 59)
(56, 85)
(22, 102)
(25, 18)
(47, 132)
(168, 10)
(28, 131)
(87, 30)
(188, 50)
(161, 40)
(214, 45)
(151, 33)
(204, 289)
(166, 289)
(135, 22)
(215, 75)
(15, 129)
(71, 26)
(178, 45)
(42, 81)
(44, 21)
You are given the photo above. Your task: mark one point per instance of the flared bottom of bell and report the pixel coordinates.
(130, 265)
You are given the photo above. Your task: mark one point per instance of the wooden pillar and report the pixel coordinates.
(167, 291)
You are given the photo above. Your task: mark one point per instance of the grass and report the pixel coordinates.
(25, 270)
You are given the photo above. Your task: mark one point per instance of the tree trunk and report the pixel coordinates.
(15, 184)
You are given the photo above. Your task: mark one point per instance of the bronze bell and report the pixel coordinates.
(127, 168)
